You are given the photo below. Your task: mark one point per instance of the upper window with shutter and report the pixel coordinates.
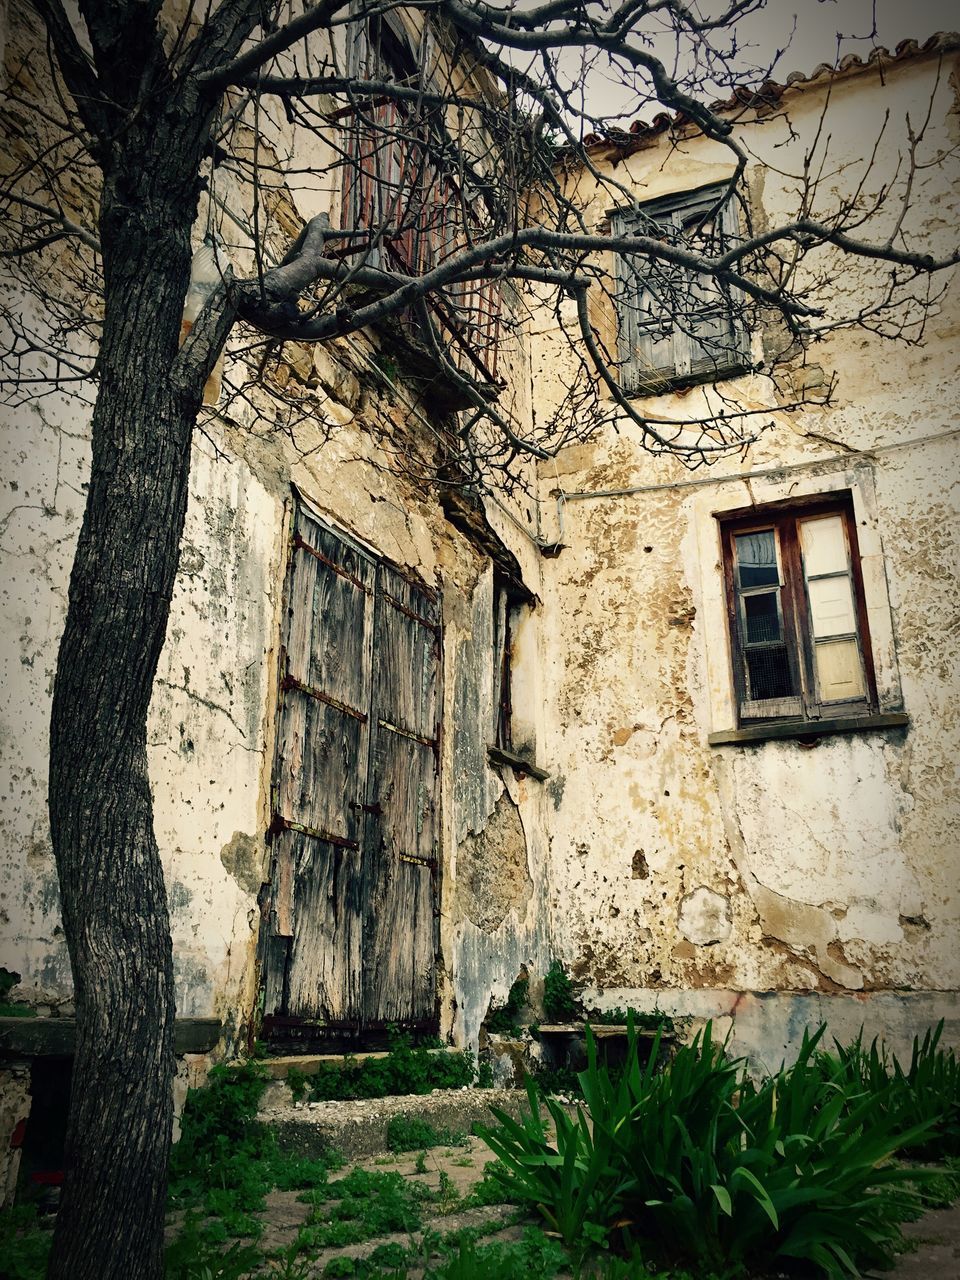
(797, 618)
(678, 326)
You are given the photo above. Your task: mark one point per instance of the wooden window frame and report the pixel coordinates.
(379, 170)
(686, 368)
(805, 707)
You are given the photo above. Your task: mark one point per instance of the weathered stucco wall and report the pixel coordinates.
(212, 712)
(664, 871)
(344, 434)
(682, 873)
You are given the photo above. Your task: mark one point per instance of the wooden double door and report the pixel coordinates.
(349, 925)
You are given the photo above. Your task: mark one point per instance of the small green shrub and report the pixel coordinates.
(406, 1069)
(195, 1256)
(411, 1133)
(560, 1002)
(618, 1017)
(535, 1257)
(226, 1161)
(491, 1187)
(505, 1019)
(364, 1205)
(24, 1243)
(12, 1008)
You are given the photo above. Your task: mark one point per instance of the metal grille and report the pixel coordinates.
(768, 673)
(398, 188)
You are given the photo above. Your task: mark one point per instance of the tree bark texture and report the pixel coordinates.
(113, 898)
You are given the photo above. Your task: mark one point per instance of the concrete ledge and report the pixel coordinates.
(359, 1128)
(280, 1067)
(55, 1037)
(807, 728)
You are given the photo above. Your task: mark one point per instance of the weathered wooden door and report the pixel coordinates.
(350, 922)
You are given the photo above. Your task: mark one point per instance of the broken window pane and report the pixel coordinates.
(800, 650)
(757, 559)
(768, 673)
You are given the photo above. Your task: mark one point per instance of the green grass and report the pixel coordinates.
(24, 1243)
(226, 1161)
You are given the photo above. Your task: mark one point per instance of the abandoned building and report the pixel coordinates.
(691, 733)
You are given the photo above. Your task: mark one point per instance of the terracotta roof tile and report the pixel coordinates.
(769, 93)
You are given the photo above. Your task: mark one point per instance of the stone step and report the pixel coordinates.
(278, 1068)
(359, 1128)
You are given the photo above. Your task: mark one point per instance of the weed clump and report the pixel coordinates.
(366, 1204)
(405, 1069)
(560, 1000)
(226, 1160)
(411, 1133)
(504, 1019)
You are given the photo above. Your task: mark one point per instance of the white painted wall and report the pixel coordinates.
(677, 867)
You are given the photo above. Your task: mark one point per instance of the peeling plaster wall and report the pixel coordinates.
(207, 746)
(212, 715)
(211, 718)
(206, 727)
(494, 919)
(45, 458)
(683, 874)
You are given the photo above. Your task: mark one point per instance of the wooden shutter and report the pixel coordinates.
(323, 737)
(350, 936)
(400, 884)
(832, 610)
(659, 347)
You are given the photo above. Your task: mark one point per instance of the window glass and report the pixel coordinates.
(757, 559)
(798, 641)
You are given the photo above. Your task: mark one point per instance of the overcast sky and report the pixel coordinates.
(807, 32)
(819, 22)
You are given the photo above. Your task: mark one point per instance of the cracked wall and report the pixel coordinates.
(345, 436)
(211, 716)
(683, 875)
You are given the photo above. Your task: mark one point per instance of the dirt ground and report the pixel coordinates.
(934, 1252)
(937, 1254)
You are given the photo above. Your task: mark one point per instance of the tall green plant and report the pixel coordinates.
(926, 1092)
(696, 1164)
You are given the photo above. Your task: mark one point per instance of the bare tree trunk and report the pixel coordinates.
(111, 880)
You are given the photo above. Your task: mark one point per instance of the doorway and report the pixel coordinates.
(350, 914)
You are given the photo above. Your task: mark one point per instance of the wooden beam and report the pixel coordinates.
(54, 1037)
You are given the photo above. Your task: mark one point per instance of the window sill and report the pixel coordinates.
(668, 384)
(523, 768)
(810, 729)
